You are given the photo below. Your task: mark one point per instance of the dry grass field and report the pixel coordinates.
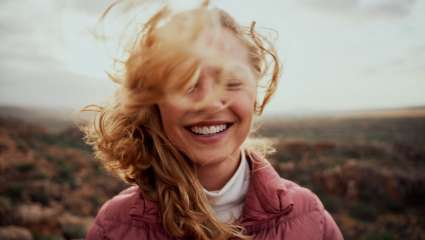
(367, 167)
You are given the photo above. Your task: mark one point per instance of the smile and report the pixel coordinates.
(208, 130)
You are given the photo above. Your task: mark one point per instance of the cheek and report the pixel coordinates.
(251, 98)
(169, 119)
(244, 107)
(249, 108)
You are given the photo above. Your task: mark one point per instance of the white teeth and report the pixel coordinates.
(208, 130)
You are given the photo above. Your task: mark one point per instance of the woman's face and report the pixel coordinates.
(215, 131)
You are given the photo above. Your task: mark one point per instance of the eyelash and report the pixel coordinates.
(230, 86)
(234, 85)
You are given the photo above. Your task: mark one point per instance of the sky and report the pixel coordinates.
(336, 54)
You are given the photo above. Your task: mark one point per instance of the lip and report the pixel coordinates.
(208, 123)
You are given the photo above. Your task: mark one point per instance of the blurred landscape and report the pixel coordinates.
(366, 166)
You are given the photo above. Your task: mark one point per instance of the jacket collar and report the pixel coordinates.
(266, 197)
(267, 194)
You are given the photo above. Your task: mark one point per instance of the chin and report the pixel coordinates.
(211, 157)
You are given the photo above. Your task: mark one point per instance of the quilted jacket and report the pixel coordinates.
(274, 208)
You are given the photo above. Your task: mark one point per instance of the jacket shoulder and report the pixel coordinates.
(270, 193)
(308, 210)
(307, 205)
(113, 214)
(303, 199)
(119, 207)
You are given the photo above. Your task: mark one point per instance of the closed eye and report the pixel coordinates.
(234, 85)
(192, 89)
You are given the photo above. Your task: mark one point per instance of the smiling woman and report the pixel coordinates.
(212, 134)
(178, 128)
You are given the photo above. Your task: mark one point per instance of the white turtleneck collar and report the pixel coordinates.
(227, 202)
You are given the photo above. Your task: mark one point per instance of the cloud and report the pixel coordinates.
(366, 8)
(410, 62)
(50, 86)
(46, 57)
(88, 7)
(29, 36)
(36, 52)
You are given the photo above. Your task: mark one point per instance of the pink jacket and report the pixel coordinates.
(274, 208)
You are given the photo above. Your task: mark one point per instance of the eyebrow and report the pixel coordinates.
(211, 70)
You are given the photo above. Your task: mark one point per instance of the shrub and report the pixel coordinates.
(25, 167)
(73, 231)
(40, 197)
(5, 211)
(39, 236)
(363, 212)
(15, 191)
(331, 203)
(65, 173)
(380, 236)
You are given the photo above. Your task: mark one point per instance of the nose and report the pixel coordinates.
(207, 92)
(213, 105)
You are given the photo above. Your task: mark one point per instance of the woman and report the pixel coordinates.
(178, 130)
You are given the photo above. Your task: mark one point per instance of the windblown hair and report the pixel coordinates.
(127, 134)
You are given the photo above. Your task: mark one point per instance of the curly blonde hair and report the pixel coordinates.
(127, 134)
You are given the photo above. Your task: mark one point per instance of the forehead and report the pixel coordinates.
(221, 45)
(203, 34)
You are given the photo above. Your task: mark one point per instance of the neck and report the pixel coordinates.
(214, 176)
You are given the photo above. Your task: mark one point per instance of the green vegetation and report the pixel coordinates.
(14, 191)
(380, 236)
(363, 212)
(25, 167)
(39, 236)
(65, 173)
(74, 231)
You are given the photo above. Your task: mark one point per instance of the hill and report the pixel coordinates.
(368, 169)
(51, 119)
